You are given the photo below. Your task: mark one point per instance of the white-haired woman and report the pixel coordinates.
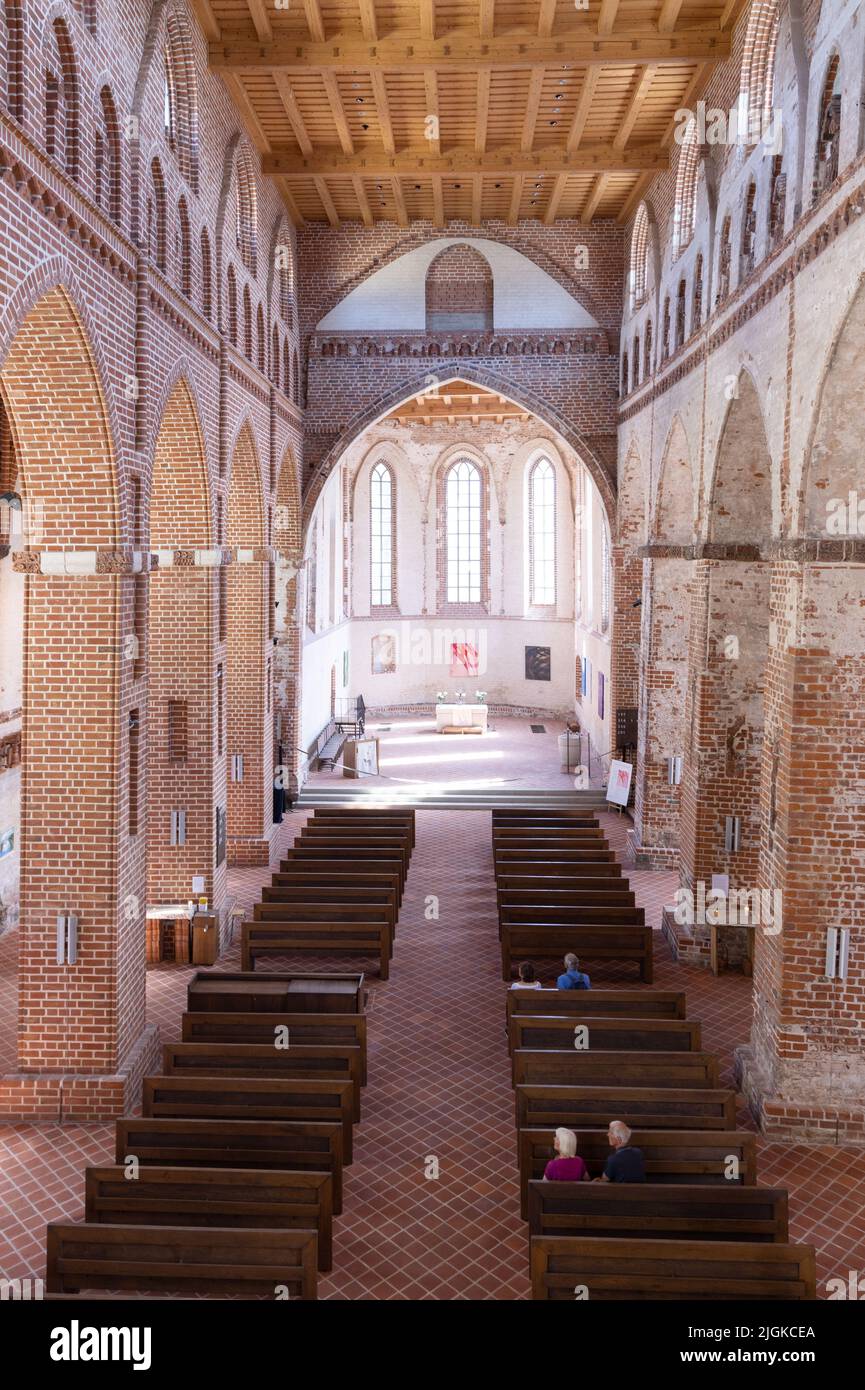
(568, 1167)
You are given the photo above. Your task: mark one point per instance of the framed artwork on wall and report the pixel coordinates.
(383, 654)
(538, 664)
(464, 659)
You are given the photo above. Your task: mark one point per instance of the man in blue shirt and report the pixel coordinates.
(625, 1163)
(573, 977)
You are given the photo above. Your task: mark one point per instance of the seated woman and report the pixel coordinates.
(527, 980)
(568, 1167)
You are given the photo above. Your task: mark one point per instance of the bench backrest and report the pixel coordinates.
(311, 1063)
(612, 893)
(221, 991)
(609, 1003)
(696, 1157)
(299, 1145)
(552, 860)
(638, 1211)
(556, 914)
(670, 1269)
(692, 1070)
(323, 911)
(513, 881)
(641, 1107)
(162, 1258)
(532, 1031)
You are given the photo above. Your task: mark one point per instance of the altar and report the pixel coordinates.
(461, 719)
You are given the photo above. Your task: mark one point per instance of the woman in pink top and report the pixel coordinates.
(568, 1167)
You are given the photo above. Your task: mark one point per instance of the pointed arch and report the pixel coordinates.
(685, 198)
(640, 250)
(757, 82)
(740, 502)
(107, 157)
(62, 99)
(675, 504)
(246, 207)
(12, 57)
(631, 511)
(834, 472)
(181, 94)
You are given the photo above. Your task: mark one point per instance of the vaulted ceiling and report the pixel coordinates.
(400, 110)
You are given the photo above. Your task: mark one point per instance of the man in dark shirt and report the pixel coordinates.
(625, 1163)
(574, 977)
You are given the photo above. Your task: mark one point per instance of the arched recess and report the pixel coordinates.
(728, 657)
(459, 291)
(288, 543)
(674, 505)
(249, 757)
(183, 719)
(76, 851)
(806, 1037)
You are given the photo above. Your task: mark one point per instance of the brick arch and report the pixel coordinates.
(833, 466)
(56, 403)
(674, 507)
(287, 537)
(740, 501)
(459, 290)
(631, 516)
(245, 503)
(179, 497)
(477, 376)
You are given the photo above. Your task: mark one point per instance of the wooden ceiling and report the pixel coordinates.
(457, 400)
(469, 110)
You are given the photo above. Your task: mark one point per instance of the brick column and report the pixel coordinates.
(804, 1071)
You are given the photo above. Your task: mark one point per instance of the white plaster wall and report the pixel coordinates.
(524, 296)
(11, 647)
(590, 640)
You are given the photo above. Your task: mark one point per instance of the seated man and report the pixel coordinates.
(625, 1163)
(568, 1167)
(573, 977)
(526, 972)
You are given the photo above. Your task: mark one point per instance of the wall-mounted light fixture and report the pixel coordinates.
(67, 938)
(733, 834)
(674, 770)
(178, 828)
(837, 952)
(237, 767)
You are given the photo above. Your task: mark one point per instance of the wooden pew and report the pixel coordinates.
(250, 1098)
(574, 841)
(533, 815)
(692, 1070)
(638, 1211)
(317, 939)
(670, 1269)
(558, 861)
(533, 1031)
(510, 881)
(346, 1030)
(392, 840)
(595, 945)
(528, 833)
(351, 894)
(555, 914)
(249, 1198)
(641, 1107)
(299, 1146)
(292, 992)
(544, 893)
(296, 1063)
(311, 874)
(182, 1258)
(366, 818)
(374, 857)
(695, 1157)
(378, 912)
(608, 1003)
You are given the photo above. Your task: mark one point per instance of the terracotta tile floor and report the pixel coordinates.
(438, 1089)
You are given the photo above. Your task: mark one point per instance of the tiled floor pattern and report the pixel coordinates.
(439, 1095)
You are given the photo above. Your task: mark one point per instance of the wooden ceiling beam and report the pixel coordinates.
(635, 106)
(607, 17)
(292, 111)
(369, 21)
(546, 18)
(438, 201)
(593, 201)
(399, 200)
(584, 106)
(206, 20)
(431, 94)
(331, 87)
(247, 113)
(260, 21)
(314, 20)
(487, 19)
(483, 110)
(533, 103)
(477, 199)
(327, 202)
(503, 161)
(362, 200)
(634, 197)
(379, 93)
(552, 208)
(472, 54)
(516, 199)
(669, 16)
(696, 84)
(294, 211)
(427, 19)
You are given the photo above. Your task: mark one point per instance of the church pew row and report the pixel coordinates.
(337, 837)
(533, 1031)
(294, 1063)
(237, 991)
(641, 1107)
(375, 859)
(637, 1211)
(379, 913)
(572, 841)
(316, 939)
(346, 1030)
(692, 1070)
(511, 884)
(666, 1270)
(351, 893)
(557, 862)
(606, 1003)
(251, 1199)
(297, 1146)
(366, 818)
(251, 1098)
(595, 945)
(181, 1258)
(535, 815)
(695, 1157)
(309, 873)
(544, 914)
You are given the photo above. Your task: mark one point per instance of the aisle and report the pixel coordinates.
(439, 1089)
